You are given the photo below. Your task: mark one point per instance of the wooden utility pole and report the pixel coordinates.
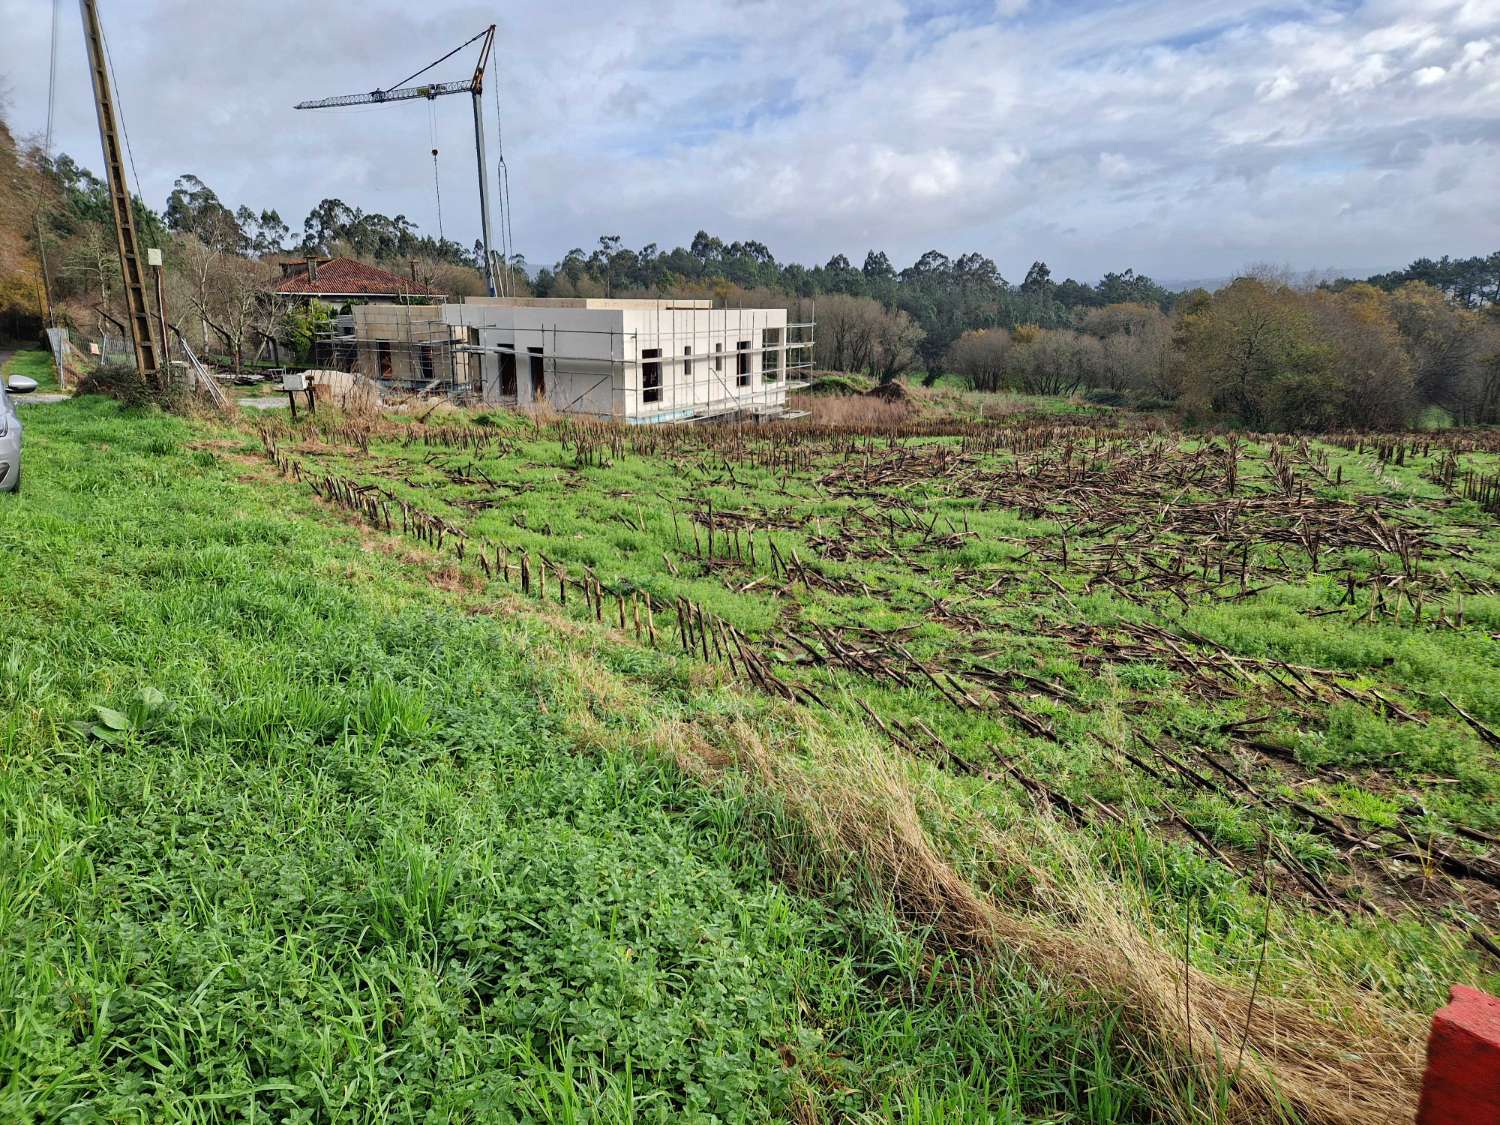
(131, 265)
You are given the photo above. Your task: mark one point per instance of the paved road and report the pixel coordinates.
(45, 397)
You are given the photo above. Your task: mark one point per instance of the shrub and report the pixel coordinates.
(123, 383)
(838, 384)
(1103, 396)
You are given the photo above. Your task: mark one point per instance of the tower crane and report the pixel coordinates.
(401, 92)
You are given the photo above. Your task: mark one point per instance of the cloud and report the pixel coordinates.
(1178, 138)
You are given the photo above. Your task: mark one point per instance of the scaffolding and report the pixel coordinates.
(706, 362)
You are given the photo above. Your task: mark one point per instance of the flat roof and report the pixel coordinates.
(616, 303)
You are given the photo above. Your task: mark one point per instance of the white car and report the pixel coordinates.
(10, 433)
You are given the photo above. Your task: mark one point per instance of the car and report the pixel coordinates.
(10, 432)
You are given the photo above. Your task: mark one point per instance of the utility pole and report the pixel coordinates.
(41, 252)
(119, 197)
(154, 260)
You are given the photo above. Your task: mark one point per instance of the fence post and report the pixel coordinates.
(1462, 1083)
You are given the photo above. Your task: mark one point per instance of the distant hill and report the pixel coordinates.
(1300, 277)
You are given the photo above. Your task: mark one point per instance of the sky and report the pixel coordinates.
(1186, 139)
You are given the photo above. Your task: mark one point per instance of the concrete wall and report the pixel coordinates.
(707, 379)
(581, 351)
(402, 328)
(593, 355)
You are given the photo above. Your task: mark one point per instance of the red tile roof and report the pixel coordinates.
(344, 277)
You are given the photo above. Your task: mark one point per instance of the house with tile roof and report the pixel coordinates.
(340, 281)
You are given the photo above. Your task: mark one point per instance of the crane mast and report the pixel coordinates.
(475, 87)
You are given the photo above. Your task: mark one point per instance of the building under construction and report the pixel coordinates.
(639, 361)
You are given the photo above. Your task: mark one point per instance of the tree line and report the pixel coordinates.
(942, 296)
(1471, 283)
(220, 261)
(1264, 354)
(1259, 352)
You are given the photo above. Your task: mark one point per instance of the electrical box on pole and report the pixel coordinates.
(131, 265)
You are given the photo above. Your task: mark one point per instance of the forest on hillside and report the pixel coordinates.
(1261, 352)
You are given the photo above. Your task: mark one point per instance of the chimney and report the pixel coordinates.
(312, 269)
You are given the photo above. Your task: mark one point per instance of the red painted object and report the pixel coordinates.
(1462, 1084)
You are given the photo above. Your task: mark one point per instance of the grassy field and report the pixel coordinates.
(293, 831)
(34, 364)
(1048, 773)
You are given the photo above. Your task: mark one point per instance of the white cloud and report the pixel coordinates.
(1283, 85)
(1180, 138)
(1114, 165)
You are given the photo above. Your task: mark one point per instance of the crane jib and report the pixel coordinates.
(474, 86)
(401, 94)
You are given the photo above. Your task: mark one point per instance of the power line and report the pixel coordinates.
(52, 81)
(120, 112)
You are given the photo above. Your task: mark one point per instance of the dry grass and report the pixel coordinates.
(857, 809)
(855, 411)
(850, 809)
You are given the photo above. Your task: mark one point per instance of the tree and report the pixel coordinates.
(194, 208)
(859, 334)
(878, 267)
(302, 325)
(1235, 348)
(1134, 340)
(1273, 357)
(1369, 369)
(981, 356)
(1038, 280)
(842, 342)
(1442, 340)
(329, 220)
(894, 349)
(197, 271)
(1050, 362)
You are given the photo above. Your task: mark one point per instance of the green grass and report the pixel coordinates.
(33, 364)
(621, 517)
(288, 832)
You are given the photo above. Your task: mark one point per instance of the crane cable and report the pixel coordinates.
(507, 237)
(444, 59)
(437, 184)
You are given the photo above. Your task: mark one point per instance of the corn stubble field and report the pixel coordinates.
(478, 767)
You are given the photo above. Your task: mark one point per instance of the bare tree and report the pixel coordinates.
(981, 357)
(1134, 341)
(228, 295)
(860, 334)
(198, 265)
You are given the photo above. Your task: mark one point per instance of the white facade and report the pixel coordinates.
(635, 360)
